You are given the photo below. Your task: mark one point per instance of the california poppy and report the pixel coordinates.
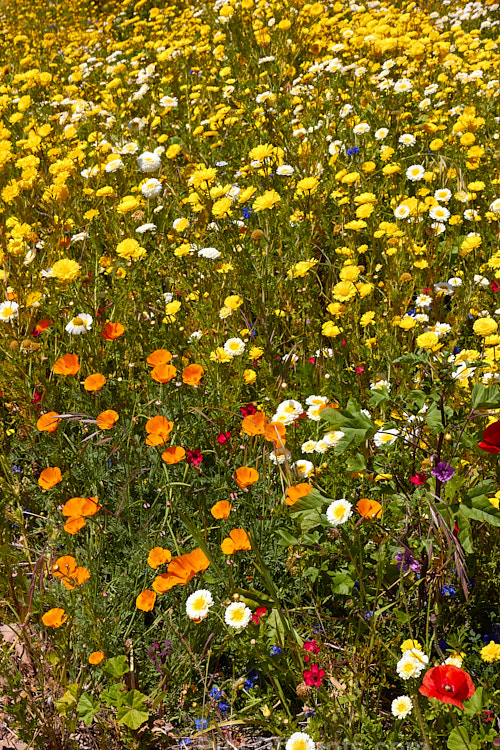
(106, 419)
(43, 325)
(163, 373)
(50, 477)
(491, 438)
(174, 454)
(295, 492)
(54, 618)
(94, 382)
(64, 566)
(181, 570)
(221, 509)
(192, 374)
(275, 432)
(236, 541)
(81, 506)
(74, 524)
(255, 424)
(96, 657)
(369, 508)
(112, 331)
(449, 684)
(158, 429)
(146, 600)
(159, 357)
(245, 476)
(158, 556)
(48, 422)
(67, 365)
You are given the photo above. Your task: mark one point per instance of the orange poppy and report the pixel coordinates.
(159, 357)
(146, 600)
(112, 331)
(275, 433)
(181, 570)
(96, 657)
(79, 577)
(192, 374)
(54, 618)
(163, 373)
(67, 365)
(245, 476)
(64, 567)
(74, 524)
(237, 540)
(81, 506)
(106, 419)
(221, 509)
(48, 422)
(158, 556)
(94, 382)
(174, 454)
(43, 325)
(50, 477)
(255, 424)
(297, 491)
(158, 429)
(369, 508)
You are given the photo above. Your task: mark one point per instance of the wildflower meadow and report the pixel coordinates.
(249, 383)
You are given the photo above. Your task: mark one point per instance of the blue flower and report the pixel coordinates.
(275, 650)
(251, 679)
(352, 151)
(456, 350)
(201, 724)
(215, 692)
(448, 590)
(224, 707)
(246, 212)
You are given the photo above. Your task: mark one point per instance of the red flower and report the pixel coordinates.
(313, 677)
(224, 438)
(248, 410)
(419, 478)
(448, 684)
(491, 438)
(259, 612)
(311, 646)
(194, 457)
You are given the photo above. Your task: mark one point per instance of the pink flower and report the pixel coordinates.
(419, 478)
(194, 457)
(313, 677)
(224, 438)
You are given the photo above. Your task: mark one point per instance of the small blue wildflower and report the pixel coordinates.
(246, 212)
(448, 591)
(224, 707)
(201, 724)
(275, 650)
(456, 350)
(215, 692)
(251, 679)
(352, 151)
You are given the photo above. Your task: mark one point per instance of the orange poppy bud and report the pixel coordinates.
(50, 477)
(96, 657)
(174, 454)
(163, 373)
(106, 419)
(369, 508)
(245, 476)
(192, 374)
(94, 382)
(54, 618)
(67, 365)
(158, 556)
(159, 357)
(255, 424)
(236, 541)
(221, 509)
(48, 422)
(146, 600)
(112, 331)
(297, 491)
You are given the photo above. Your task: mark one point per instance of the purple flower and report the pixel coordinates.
(443, 471)
(405, 561)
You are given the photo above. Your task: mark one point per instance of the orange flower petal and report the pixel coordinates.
(159, 357)
(67, 365)
(146, 600)
(158, 556)
(174, 454)
(50, 477)
(221, 509)
(94, 382)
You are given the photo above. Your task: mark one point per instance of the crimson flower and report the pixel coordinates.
(259, 612)
(448, 684)
(491, 438)
(248, 410)
(194, 457)
(224, 438)
(313, 677)
(419, 478)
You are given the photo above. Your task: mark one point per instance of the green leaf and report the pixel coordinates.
(117, 666)
(474, 705)
(357, 463)
(480, 509)
(113, 695)
(87, 708)
(252, 597)
(379, 396)
(131, 712)
(342, 582)
(485, 397)
(459, 740)
(286, 539)
(68, 700)
(465, 536)
(307, 510)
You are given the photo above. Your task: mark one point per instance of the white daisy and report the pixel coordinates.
(339, 511)
(79, 324)
(8, 311)
(234, 347)
(238, 615)
(401, 707)
(198, 605)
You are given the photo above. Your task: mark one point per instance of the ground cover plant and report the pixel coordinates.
(250, 270)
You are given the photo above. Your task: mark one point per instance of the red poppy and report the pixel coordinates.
(224, 438)
(248, 410)
(491, 438)
(448, 684)
(313, 677)
(419, 478)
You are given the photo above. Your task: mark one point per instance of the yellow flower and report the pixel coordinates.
(491, 652)
(127, 204)
(349, 273)
(130, 248)
(330, 329)
(234, 301)
(219, 355)
(344, 291)
(485, 326)
(220, 208)
(427, 340)
(172, 151)
(301, 268)
(307, 185)
(65, 270)
(255, 352)
(367, 319)
(266, 201)
(249, 376)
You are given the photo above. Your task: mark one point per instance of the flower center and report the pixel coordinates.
(78, 322)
